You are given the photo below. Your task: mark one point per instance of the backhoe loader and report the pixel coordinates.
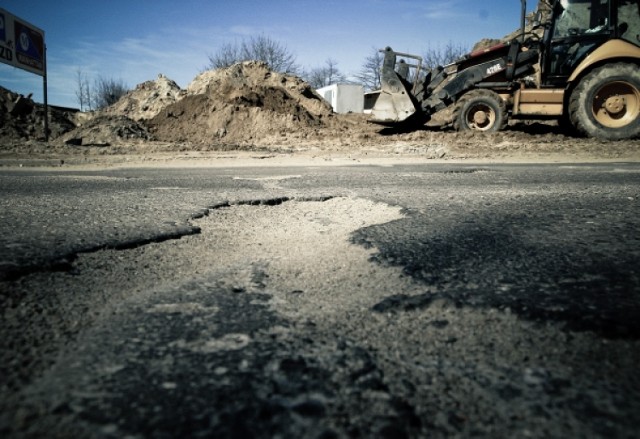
(578, 62)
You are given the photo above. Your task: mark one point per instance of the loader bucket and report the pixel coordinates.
(394, 104)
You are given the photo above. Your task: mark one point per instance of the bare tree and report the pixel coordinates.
(443, 55)
(326, 75)
(89, 94)
(260, 48)
(334, 75)
(83, 91)
(369, 75)
(226, 56)
(263, 48)
(107, 91)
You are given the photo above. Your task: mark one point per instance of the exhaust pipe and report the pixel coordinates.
(522, 18)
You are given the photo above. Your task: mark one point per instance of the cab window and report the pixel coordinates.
(578, 17)
(629, 21)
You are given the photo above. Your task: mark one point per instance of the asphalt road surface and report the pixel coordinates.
(320, 301)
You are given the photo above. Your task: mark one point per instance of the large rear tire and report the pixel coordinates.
(606, 103)
(480, 110)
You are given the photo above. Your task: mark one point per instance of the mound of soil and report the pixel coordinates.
(105, 130)
(252, 74)
(146, 100)
(123, 122)
(240, 104)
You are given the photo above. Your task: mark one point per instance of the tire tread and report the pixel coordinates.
(579, 108)
(489, 95)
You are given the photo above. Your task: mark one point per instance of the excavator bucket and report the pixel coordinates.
(394, 104)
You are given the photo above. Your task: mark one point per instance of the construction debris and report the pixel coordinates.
(22, 119)
(106, 130)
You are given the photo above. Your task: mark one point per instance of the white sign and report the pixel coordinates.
(21, 44)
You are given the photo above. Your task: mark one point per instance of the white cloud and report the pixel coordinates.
(444, 10)
(245, 31)
(433, 10)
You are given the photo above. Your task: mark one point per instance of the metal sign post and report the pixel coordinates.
(44, 94)
(22, 46)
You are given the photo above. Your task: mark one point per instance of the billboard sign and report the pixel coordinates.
(21, 44)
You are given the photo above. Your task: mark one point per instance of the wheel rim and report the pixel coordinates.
(616, 104)
(481, 117)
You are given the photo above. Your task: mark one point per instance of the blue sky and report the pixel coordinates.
(135, 40)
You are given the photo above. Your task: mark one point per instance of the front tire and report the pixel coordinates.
(606, 103)
(480, 110)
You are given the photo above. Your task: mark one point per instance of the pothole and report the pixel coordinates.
(297, 252)
(306, 249)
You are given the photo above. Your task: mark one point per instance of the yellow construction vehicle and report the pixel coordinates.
(577, 62)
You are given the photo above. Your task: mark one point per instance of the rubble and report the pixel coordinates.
(21, 119)
(106, 130)
(124, 121)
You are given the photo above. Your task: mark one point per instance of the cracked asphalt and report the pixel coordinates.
(319, 301)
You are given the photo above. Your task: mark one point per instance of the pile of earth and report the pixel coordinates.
(21, 119)
(146, 100)
(105, 130)
(246, 104)
(241, 104)
(124, 121)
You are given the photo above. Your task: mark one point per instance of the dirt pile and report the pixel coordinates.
(241, 104)
(105, 130)
(21, 119)
(245, 104)
(146, 100)
(123, 122)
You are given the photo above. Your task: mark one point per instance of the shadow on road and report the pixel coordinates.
(493, 263)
